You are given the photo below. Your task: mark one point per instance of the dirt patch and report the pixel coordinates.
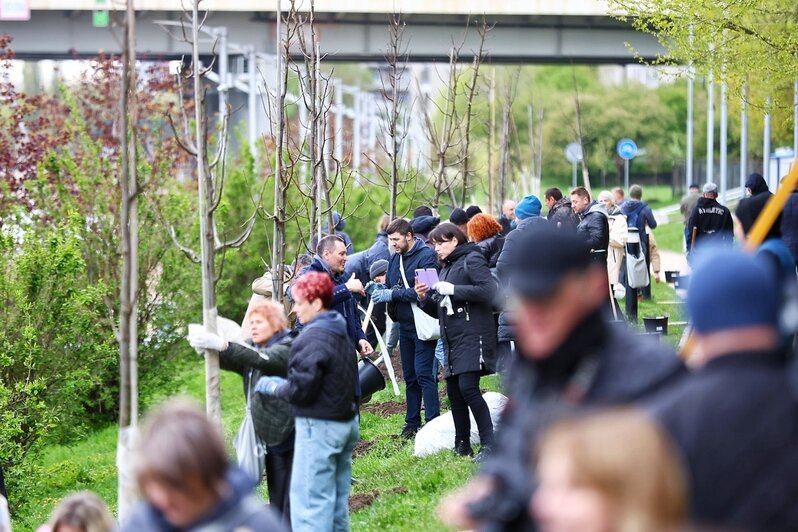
(397, 368)
(359, 501)
(362, 447)
(388, 408)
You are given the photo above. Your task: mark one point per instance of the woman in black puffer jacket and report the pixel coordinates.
(462, 303)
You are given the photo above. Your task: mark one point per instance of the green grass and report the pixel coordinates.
(660, 293)
(670, 236)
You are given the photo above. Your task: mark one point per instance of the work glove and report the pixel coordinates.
(202, 339)
(371, 286)
(269, 385)
(444, 288)
(383, 295)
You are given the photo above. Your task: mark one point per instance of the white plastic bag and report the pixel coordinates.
(249, 451)
(636, 270)
(438, 434)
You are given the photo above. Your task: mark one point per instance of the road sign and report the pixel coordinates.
(100, 18)
(627, 149)
(573, 152)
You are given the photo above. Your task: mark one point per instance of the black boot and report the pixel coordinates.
(462, 446)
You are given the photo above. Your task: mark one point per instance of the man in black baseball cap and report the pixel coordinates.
(570, 358)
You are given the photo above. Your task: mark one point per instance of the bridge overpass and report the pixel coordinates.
(525, 31)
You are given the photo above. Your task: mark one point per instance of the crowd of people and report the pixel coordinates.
(604, 429)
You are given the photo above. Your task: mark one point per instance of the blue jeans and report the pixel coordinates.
(417, 357)
(322, 473)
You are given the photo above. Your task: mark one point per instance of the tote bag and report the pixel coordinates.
(249, 451)
(427, 327)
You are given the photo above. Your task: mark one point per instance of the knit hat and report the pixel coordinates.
(529, 206)
(472, 211)
(730, 289)
(458, 217)
(378, 267)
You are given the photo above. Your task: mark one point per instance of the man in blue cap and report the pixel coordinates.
(736, 418)
(570, 358)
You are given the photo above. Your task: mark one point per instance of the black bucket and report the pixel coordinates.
(657, 324)
(671, 276)
(681, 282)
(371, 379)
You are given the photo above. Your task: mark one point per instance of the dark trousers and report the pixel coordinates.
(3, 485)
(463, 391)
(278, 477)
(417, 357)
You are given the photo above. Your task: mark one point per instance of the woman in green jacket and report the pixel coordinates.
(265, 353)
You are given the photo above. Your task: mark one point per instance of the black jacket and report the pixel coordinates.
(594, 227)
(789, 224)
(507, 225)
(736, 423)
(418, 257)
(598, 365)
(344, 303)
(322, 371)
(271, 416)
(713, 222)
(505, 332)
(491, 248)
(562, 215)
(469, 335)
(239, 509)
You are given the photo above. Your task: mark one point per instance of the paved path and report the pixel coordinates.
(673, 261)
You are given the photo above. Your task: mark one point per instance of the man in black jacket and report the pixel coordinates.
(594, 226)
(736, 418)
(571, 358)
(561, 213)
(711, 222)
(417, 355)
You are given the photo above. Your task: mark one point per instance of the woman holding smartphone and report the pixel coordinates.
(461, 300)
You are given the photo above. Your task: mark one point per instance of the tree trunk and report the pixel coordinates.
(207, 243)
(128, 314)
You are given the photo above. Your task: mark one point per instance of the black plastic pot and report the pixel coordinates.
(671, 276)
(371, 379)
(656, 324)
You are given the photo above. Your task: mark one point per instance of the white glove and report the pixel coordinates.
(444, 288)
(205, 340)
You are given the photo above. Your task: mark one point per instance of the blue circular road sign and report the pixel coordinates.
(627, 149)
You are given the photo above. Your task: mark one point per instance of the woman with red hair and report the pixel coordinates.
(485, 232)
(322, 374)
(264, 353)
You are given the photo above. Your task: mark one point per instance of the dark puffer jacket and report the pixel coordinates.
(239, 509)
(271, 416)
(562, 215)
(595, 228)
(469, 335)
(322, 371)
(491, 248)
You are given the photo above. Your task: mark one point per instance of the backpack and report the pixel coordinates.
(499, 300)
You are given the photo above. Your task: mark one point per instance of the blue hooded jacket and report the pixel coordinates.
(418, 257)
